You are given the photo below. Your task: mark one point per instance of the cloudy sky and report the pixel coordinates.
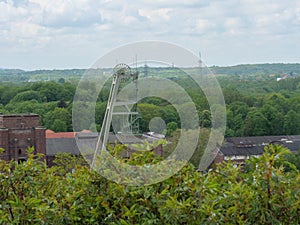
(53, 34)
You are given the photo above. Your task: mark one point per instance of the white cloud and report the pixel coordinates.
(204, 25)
(156, 15)
(91, 27)
(61, 13)
(11, 13)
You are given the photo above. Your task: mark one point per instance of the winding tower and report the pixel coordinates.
(125, 111)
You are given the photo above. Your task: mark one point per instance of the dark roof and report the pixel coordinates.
(294, 147)
(20, 115)
(119, 138)
(258, 139)
(232, 150)
(255, 145)
(88, 141)
(56, 145)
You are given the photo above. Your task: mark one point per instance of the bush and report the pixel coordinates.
(31, 193)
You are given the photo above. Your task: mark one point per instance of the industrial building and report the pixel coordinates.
(18, 132)
(239, 149)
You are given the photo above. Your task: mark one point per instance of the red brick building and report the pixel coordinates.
(18, 132)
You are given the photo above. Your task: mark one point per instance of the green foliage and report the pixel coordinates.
(294, 159)
(27, 96)
(70, 193)
(58, 120)
(58, 126)
(205, 118)
(255, 124)
(148, 111)
(197, 155)
(251, 93)
(171, 127)
(291, 123)
(66, 163)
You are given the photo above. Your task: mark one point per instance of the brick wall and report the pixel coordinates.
(4, 144)
(18, 132)
(19, 121)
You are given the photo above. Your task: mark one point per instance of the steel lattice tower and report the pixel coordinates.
(122, 73)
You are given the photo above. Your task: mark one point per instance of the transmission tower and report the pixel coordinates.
(200, 61)
(146, 70)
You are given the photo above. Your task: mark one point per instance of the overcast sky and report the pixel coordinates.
(42, 34)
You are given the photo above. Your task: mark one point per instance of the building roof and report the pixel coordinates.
(66, 141)
(56, 145)
(20, 115)
(259, 139)
(60, 135)
(232, 150)
(255, 145)
(52, 134)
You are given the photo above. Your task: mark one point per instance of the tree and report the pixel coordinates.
(171, 127)
(58, 126)
(256, 124)
(27, 96)
(275, 119)
(62, 104)
(205, 118)
(278, 101)
(32, 106)
(62, 117)
(239, 108)
(169, 114)
(2, 109)
(147, 112)
(61, 80)
(7, 93)
(231, 94)
(189, 118)
(294, 159)
(291, 123)
(99, 112)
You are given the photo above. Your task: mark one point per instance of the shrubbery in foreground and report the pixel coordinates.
(31, 193)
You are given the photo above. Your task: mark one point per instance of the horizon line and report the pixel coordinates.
(209, 66)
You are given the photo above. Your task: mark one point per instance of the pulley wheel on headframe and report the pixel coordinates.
(122, 69)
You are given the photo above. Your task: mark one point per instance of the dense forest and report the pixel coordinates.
(258, 103)
(260, 100)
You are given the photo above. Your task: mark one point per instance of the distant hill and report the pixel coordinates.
(275, 69)
(259, 69)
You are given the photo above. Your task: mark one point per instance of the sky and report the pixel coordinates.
(61, 34)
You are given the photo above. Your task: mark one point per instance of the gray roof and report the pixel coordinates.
(232, 150)
(256, 145)
(19, 115)
(56, 145)
(88, 141)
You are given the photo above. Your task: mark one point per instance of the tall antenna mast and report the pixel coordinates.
(146, 69)
(200, 61)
